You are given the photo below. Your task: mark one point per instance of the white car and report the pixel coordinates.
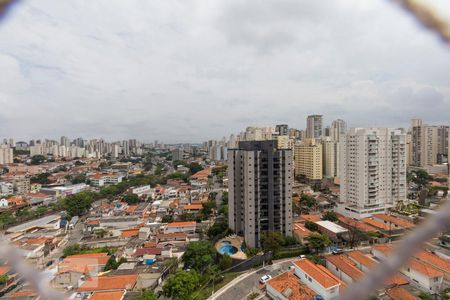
(265, 278)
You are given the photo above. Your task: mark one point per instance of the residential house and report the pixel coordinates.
(288, 287)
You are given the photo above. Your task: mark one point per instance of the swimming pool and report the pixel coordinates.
(230, 250)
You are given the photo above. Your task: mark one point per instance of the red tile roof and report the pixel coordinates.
(130, 232)
(117, 295)
(182, 224)
(395, 220)
(346, 265)
(319, 273)
(311, 218)
(362, 258)
(144, 251)
(434, 260)
(426, 270)
(399, 293)
(377, 224)
(291, 287)
(109, 283)
(4, 270)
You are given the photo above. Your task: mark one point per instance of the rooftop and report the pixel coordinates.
(399, 293)
(426, 270)
(109, 283)
(346, 265)
(395, 220)
(362, 258)
(181, 224)
(116, 295)
(319, 273)
(291, 287)
(333, 227)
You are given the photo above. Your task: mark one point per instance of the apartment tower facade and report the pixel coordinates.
(372, 171)
(260, 190)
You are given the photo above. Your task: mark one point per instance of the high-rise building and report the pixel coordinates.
(177, 154)
(260, 190)
(372, 171)
(329, 157)
(282, 129)
(308, 159)
(314, 126)
(442, 145)
(6, 154)
(64, 141)
(428, 144)
(338, 129)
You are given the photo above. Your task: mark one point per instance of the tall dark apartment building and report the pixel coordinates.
(260, 190)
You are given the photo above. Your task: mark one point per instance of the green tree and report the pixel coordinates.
(218, 228)
(167, 219)
(425, 296)
(41, 178)
(199, 255)
(80, 178)
(271, 241)
(311, 226)
(78, 204)
(420, 177)
(330, 216)
(131, 199)
(194, 168)
(307, 200)
(181, 285)
(37, 159)
(147, 295)
(6, 218)
(225, 262)
(318, 241)
(113, 264)
(3, 278)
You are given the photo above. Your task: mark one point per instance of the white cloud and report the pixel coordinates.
(192, 70)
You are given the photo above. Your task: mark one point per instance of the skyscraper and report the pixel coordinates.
(329, 155)
(308, 159)
(282, 129)
(338, 129)
(260, 190)
(442, 145)
(372, 171)
(314, 126)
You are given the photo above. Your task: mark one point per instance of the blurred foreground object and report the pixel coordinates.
(427, 17)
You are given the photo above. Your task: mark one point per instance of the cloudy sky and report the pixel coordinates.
(195, 70)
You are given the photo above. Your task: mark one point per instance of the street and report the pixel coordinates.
(242, 286)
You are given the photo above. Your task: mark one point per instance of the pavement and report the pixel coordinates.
(242, 286)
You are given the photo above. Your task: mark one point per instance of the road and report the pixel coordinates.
(242, 286)
(74, 237)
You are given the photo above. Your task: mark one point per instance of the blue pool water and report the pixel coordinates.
(230, 250)
(225, 243)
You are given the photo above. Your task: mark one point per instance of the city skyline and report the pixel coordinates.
(191, 71)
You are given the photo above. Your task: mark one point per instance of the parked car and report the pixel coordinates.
(265, 278)
(337, 251)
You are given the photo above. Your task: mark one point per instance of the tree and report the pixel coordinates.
(78, 204)
(167, 219)
(37, 159)
(113, 264)
(311, 226)
(271, 241)
(199, 255)
(318, 241)
(225, 262)
(425, 296)
(131, 199)
(3, 278)
(181, 285)
(147, 295)
(80, 178)
(194, 168)
(41, 178)
(307, 200)
(420, 177)
(330, 216)
(218, 228)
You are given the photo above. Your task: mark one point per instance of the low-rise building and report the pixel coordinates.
(425, 276)
(288, 287)
(319, 279)
(186, 227)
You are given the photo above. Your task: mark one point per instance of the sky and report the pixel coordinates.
(189, 71)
